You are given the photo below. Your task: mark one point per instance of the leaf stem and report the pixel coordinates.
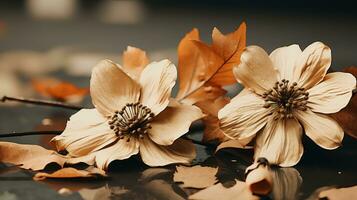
(30, 133)
(40, 102)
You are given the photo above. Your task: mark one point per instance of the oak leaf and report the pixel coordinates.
(196, 176)
(204, 69)
(348, 115)
(71, 173)
(35, 157)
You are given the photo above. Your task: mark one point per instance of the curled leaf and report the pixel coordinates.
(70, 173)
(196, 176)
(59, 90)
(35, 157)
(348, 115)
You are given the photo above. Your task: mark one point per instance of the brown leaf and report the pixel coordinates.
(212, 132)
(195, 176)
(347, 117)
(201, 65)
(238, 191)
(59, 90)
(34, 157)
(134, 61)
(70, 173)
(339, 194)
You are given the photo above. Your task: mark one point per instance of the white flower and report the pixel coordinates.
(287, 92)
(130, 117)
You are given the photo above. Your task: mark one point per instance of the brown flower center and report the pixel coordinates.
(133, 120)
(285, 98)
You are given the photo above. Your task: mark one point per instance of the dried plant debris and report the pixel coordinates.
(59, 90)
(196, 176)
(35, 157)
(239, 191)
(72, 173)
(204, 69)
(348, 193)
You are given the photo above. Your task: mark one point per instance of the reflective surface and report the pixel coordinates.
(87, 36)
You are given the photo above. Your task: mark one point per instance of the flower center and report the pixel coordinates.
(133, 120)
(285, 97)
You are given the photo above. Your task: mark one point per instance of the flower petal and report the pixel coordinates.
(181, 151)
(280, 142)
(323, 130)
(256, 70)
(157, 81)
(111, 88)
(121, 150)
(284, 59)
(313, 64)
(244, 116)
(173, 122)
(333, 93)
(86, 131)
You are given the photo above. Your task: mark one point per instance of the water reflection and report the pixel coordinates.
(130, 179)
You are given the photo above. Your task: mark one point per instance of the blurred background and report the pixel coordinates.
(68, 37)
(45, 42)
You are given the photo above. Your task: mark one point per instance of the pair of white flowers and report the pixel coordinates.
(284, 92)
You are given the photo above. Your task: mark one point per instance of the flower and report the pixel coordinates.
(286, 92)
(130, 117)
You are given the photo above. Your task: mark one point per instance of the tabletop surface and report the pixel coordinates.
(159, 31)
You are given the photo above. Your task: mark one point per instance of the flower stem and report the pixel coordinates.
(40, 102)
(30, 133)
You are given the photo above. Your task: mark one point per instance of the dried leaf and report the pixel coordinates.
(59, 90)
(347, 117)
(238, 191)
(201, 65)
(196, 176)
(69, 172)
(212, 132)
(35, 157)
(339, 193)
(134, 61)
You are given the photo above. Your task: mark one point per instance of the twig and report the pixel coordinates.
(41, 102)
(59, 132)
(30, 133)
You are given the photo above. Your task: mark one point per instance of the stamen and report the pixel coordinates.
(284, 98)
(133, 120)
